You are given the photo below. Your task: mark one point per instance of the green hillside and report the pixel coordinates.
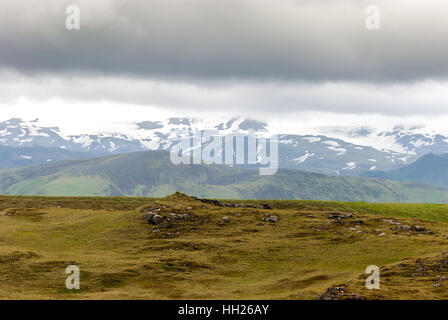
(152, 174)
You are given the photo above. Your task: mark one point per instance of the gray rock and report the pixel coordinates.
(226, 219)
(266, 206)
(184, 216)
(148, 217)
(419, 228)
(172, 216)
(335, 215)
(271, 218)
(157, 219)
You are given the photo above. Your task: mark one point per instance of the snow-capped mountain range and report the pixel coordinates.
(347, 151)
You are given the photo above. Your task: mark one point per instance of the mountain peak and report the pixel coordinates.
(242, 123)
(179, 121)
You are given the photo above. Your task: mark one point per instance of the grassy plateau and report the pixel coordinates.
(315, 250)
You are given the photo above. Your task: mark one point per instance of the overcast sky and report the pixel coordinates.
(298, 62)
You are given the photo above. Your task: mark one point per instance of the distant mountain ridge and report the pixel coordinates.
(27, 156)
(152, 174)
(410, 141)
(430, 169)
(316, 153)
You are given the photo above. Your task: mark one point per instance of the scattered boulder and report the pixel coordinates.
(332, 293)
(157, 219)
(148, 216)
(154, 218)
(335, 215)
(266, 206)
(339, 216)
(419, 228)
(405, 227)
(183, 216)
(152, 208)
(226, 219)
(271, 218)
(338, 293)
(172, 216)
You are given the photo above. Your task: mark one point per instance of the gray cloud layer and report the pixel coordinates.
(294, 40)
(265, 98)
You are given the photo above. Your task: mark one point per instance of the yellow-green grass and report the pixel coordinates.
(120, 257)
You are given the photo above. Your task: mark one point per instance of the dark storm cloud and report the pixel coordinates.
(298, 40)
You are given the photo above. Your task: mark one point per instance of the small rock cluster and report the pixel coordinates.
(154, 218)
(339, 218)
(157, 219)
(182, 216)
(270, 218)
(338, 293)
(424, 267)
(398, 226)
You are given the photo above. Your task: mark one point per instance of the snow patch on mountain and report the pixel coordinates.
(411, 141)
(350, 166)
(304, 157)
